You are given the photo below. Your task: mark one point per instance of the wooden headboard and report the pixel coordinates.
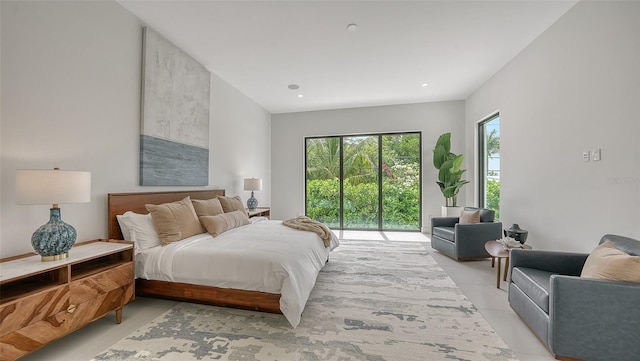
(118, 203)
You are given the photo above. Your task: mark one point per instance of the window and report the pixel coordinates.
(489, 163)
(364, 181)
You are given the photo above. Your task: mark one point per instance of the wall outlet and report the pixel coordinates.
(585, 156)
(595, 154)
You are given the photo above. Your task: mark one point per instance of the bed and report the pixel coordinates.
(263, 266)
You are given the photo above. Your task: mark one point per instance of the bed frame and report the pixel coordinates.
(118, 203)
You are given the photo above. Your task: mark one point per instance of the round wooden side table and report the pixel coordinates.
(496, 250)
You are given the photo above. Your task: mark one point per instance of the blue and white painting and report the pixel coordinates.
(174, 141)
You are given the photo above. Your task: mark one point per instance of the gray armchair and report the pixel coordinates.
(576, 318)
(464, 242)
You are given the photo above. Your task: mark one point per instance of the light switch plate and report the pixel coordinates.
(595, 154)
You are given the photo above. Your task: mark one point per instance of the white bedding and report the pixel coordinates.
(263, 256)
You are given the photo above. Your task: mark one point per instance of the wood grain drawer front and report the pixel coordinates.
(38, 334)
(25, 311)
(101, 283)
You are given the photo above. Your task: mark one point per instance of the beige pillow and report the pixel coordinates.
(609, 263)
(230, 204)
(467, 217)
(221, 223)
(174, 221)
(209, 207)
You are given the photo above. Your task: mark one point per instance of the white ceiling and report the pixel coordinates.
(260, 47)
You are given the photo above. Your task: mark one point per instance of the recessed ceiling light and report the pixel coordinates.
(293, 86)
(352, 27)
(425, 84)
(300, 95)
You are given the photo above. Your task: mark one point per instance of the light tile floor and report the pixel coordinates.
(476, 279)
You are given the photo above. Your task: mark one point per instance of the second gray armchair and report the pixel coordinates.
(465, 242)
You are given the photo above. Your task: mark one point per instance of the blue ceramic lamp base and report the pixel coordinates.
(252, 202)
(53, 240)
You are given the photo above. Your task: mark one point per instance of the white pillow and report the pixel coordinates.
(141, 230)
(124, 226)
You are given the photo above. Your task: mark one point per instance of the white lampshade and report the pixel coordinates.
(252, 184)
(52, 186)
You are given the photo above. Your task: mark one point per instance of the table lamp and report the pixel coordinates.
(53, 240)
(252, 184)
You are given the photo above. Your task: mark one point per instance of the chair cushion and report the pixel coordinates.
(534, 283)
(467, 217)
(609, 263)
(445, 232)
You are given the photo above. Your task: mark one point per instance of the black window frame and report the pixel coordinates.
(482, 179)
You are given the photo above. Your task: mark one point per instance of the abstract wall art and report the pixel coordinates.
(174, 140)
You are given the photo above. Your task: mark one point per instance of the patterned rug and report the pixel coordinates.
(374, 301)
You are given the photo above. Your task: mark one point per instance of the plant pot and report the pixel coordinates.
(451, 211)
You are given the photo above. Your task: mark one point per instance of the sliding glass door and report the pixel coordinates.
(364, 181)
(401, 181)
(323, 185)
(360, 184)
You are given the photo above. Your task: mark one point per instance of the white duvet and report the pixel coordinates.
(263, 256)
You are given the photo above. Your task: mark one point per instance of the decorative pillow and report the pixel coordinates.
(221, 223)
(124, 228)
(609, 263)
(139, 229)
(209, 207)
(174, 221)
(230, 204)
(467, 217)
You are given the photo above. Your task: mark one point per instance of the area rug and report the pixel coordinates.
(373, 301)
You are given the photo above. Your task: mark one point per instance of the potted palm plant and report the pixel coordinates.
(449, 174)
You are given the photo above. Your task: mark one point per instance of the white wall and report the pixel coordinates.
(289, 130)
(576, 87)
(71, 99)
(240, 142)
(0, 114)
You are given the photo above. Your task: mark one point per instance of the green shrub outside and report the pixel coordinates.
(323, 201)
(493, 196)
(401, 210)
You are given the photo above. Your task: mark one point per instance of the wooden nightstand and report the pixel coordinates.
(43, 301)
(259, 212)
